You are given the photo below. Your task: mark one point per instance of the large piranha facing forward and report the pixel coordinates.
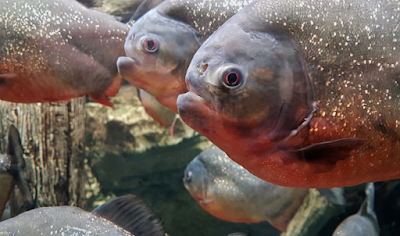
(57, 50)
(302, 93)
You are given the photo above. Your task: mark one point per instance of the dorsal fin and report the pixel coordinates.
(143, 8)
(367, 207)
(130, 213)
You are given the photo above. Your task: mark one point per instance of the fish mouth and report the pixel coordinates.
(192, 108)
(126, 68)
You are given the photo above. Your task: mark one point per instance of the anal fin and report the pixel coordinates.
(102, 99)
(172, 127)
(130, 213)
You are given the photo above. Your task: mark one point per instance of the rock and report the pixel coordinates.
(123, 8)
(126, 127)
(313, 214)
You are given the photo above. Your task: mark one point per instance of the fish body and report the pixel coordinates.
(161, 44)
(11, 165)
(57, 50)
(302, 93)
(123, 216)
(365, 222)
(229, 192)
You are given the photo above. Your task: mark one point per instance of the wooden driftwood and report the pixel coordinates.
(54, 141)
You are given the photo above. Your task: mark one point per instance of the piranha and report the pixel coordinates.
(228, 191)
(162, 42)
(163, 115)
(123, 216)
(55, 50)
(302, 93)
(11, 165)
(365, 222)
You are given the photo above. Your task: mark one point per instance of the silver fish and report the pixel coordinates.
(123, 216)
(302, 93)
(161, 44)
(229, 192)
(11, 165)
(365, 222)
(55, 50)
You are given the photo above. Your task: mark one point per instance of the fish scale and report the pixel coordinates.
(317, 101)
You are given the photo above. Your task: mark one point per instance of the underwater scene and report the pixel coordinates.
(199, 117)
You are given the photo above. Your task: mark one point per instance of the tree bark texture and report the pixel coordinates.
(53, 137)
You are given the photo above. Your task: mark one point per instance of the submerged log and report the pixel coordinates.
(53, 137)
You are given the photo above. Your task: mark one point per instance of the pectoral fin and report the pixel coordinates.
(325, 154)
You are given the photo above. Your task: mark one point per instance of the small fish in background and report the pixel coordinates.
(11, 165)
(162, 42)
(123, 216)
(55, 50)
(163, 115)
(228, 191)
(302, 93)
(365, 222)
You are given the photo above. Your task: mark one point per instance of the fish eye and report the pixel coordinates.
(188, 175)
(150, 45)
(232, 78)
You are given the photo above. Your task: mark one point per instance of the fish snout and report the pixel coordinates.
(126, 67)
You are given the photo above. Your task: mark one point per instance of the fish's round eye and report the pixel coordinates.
(151, 45)
(188, 175)
(232, 77)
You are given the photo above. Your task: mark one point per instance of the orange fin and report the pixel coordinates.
(102, 99)
(171, 129)
(325, 153)
(114, 87)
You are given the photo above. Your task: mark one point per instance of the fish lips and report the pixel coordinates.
(126, 68)
(195, 111)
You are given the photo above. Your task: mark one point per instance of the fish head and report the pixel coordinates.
(195, 179)
(159, 50)
(246, 89)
